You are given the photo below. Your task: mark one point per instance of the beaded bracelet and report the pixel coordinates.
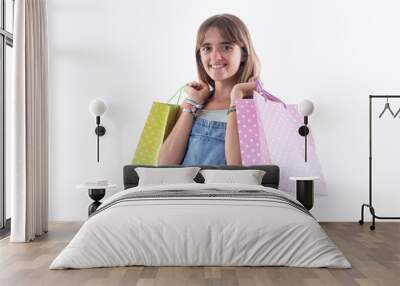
(231, 109)
(194, 103)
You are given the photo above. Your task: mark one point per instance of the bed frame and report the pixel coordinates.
(270, 179)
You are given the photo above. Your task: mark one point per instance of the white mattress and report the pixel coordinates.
(200, 231)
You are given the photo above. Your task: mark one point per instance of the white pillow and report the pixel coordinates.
(163, 176)
(248, 177)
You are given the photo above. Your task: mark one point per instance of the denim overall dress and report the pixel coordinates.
(206, 145)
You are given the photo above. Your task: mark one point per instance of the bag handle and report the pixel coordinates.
(267, 95)
(178, 92)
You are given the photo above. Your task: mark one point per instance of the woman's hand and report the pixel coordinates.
(242, 90)
(197, 91)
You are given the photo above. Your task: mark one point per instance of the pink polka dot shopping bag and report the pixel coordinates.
(268, 134)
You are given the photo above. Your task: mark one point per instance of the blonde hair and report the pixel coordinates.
(234, 30)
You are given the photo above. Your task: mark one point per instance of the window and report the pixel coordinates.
(6, 44)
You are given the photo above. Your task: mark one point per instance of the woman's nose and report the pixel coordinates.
(216, 55)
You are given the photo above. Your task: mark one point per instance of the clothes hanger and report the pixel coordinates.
(398, 111)
(387, 107)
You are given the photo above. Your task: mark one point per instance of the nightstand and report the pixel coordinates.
(305, 190)
(96, 193)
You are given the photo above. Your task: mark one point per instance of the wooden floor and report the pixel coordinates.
(374, 255)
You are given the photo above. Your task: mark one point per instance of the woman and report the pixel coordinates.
(206, 131)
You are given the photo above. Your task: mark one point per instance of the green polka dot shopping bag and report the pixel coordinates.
(159, 123)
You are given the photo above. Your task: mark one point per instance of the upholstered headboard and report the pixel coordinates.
(270, 179)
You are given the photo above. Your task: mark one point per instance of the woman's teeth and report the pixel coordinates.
(217, 66)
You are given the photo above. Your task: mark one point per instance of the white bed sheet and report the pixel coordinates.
(200, 231)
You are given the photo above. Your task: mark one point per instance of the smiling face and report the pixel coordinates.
(220, 58)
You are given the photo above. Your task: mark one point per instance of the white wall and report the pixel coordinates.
(131, 53)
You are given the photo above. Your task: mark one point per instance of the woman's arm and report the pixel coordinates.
(232, 146)
(174, 147)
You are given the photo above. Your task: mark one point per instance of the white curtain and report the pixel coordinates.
(28, 121)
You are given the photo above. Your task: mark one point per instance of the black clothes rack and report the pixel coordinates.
(369, 205)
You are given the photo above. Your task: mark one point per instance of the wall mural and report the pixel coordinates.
(227, 117)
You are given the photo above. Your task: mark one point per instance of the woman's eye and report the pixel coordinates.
(227, 48)
(205, 49)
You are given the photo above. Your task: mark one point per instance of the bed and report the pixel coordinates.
(201, 224)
